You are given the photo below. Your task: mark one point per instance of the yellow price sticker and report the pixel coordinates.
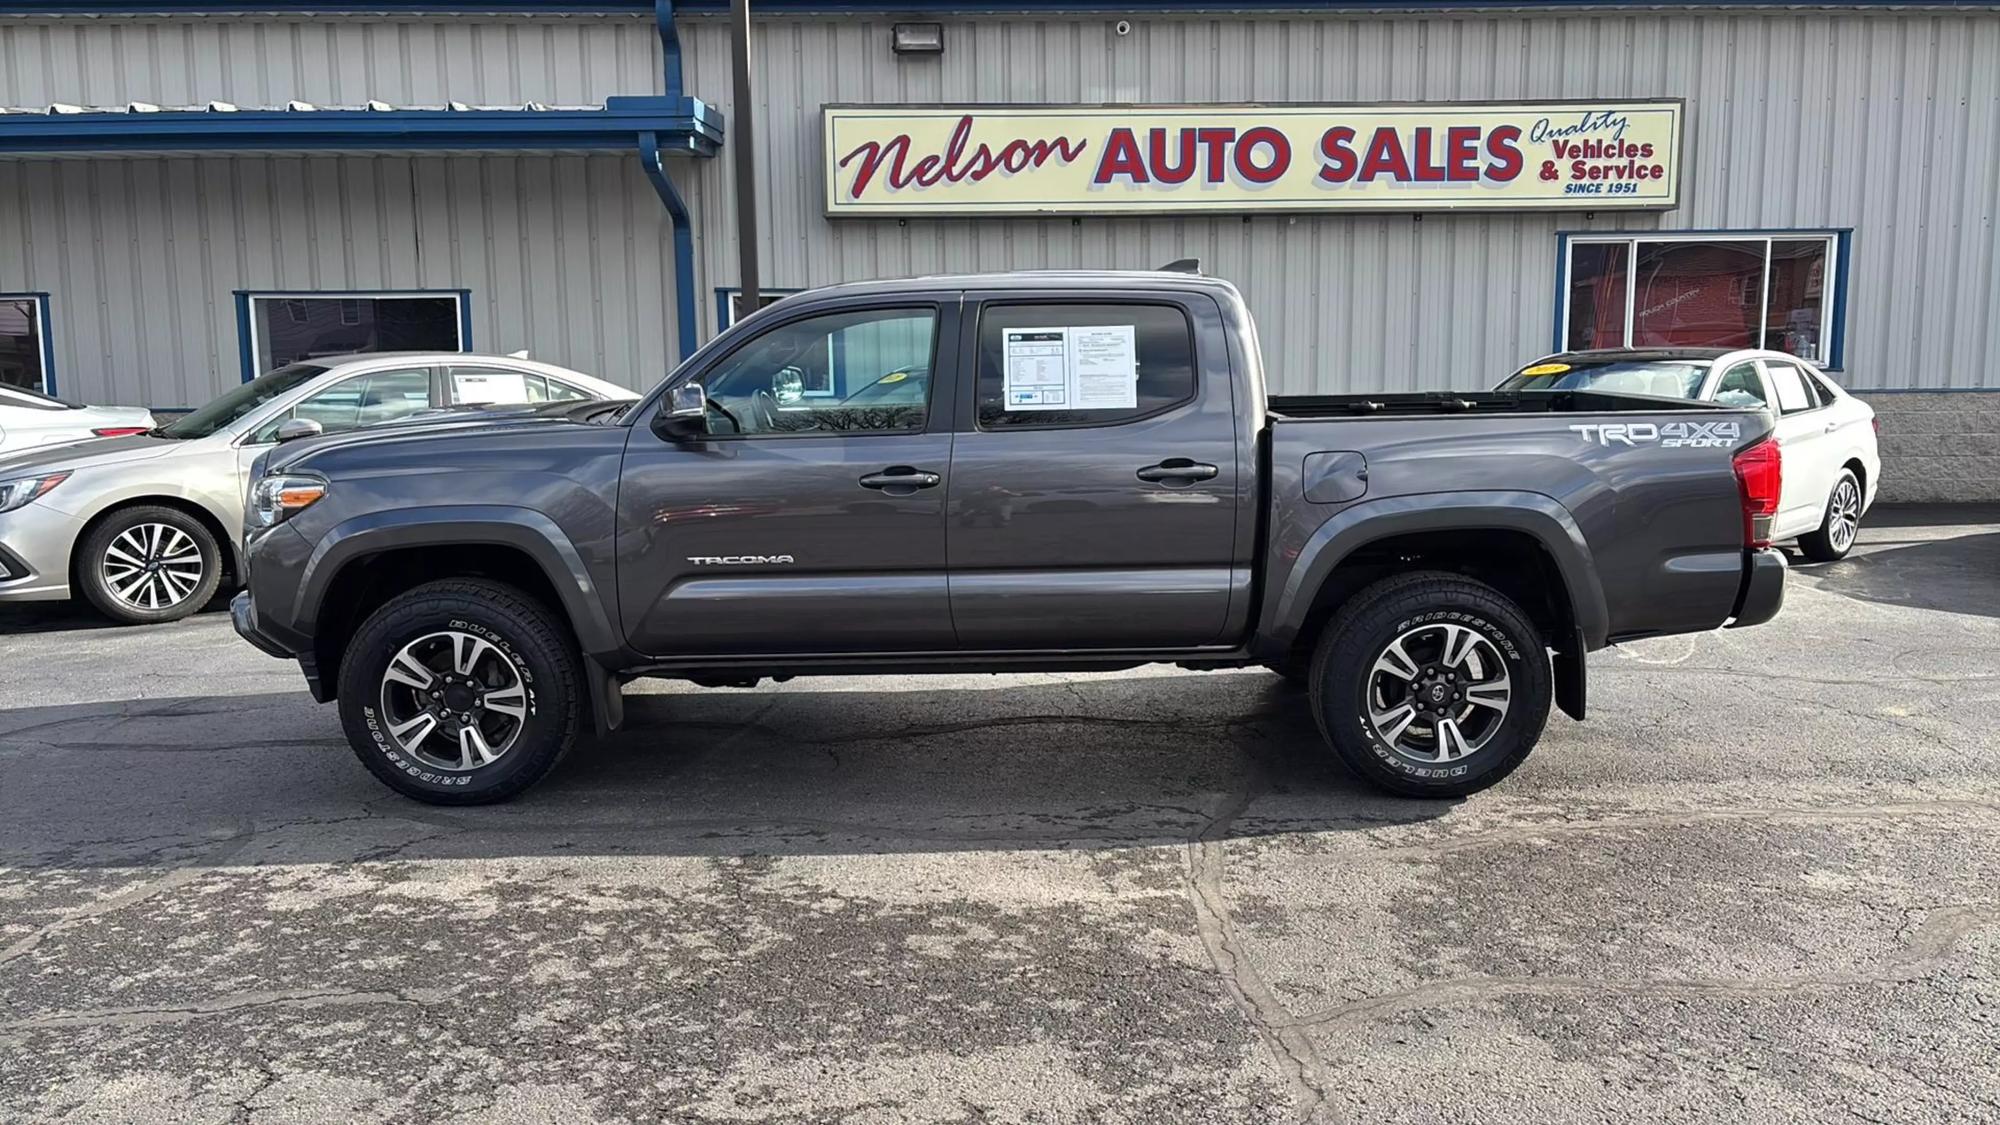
(895, 377)
(1545, 369)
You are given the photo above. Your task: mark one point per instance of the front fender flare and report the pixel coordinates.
(1539, 516)
(457, 525)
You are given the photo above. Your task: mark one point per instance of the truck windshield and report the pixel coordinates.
(1662, 378)
(240, 401)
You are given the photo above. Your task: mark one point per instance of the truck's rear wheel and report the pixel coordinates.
(1431, 685)
(460, 692)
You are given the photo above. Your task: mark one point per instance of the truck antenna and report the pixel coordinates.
(1182, 265)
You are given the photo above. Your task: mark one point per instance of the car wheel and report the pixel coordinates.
(1841, 524)
(460, 692)
(144, 565)
(1431, 685)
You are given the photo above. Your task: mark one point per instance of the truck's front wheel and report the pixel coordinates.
(460, 692)
(1431, 685)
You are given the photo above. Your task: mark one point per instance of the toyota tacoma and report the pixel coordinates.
(1010, 472)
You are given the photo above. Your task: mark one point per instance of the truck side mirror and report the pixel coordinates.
(683, 413)
(292, 429)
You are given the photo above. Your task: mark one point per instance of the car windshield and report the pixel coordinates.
(241, 401)
(1662, 378)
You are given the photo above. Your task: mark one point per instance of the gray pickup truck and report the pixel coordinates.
(1037, 471)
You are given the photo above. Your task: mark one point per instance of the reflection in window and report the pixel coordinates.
(1696, 294)
(21, 343)
(848, 372)
(1725, 292)
(1597, 280)
(292, 328)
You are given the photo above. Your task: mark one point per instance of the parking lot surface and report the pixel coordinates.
(1761, 883)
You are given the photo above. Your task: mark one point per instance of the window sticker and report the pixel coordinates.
(1087, 367)
(483, 387)
(1545, 369)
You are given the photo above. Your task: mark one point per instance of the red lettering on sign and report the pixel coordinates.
(1121, 158)
(1156, 148)
(1461, 153)
(954, 165)
(1503, 153)
(1246, 155)
(1216, 141)
(1385, 157)
(1336, 145)
(1426, 172)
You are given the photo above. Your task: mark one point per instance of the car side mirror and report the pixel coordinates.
(683, 414)
(292, 429)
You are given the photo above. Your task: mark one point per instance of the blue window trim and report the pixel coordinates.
(245, 343)
(1843, 247)
(44, 332)
(924, 7)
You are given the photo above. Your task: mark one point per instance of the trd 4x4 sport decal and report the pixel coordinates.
(1670, 435)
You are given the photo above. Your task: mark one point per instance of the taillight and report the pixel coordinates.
(1759, 476)
(118, 431)
(1876, 421)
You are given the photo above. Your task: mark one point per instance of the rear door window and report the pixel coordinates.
(1050, 364)
(1790, 387)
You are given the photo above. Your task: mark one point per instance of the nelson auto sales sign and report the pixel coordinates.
(1000, 160)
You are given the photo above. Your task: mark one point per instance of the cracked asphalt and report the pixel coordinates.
(1761, 883)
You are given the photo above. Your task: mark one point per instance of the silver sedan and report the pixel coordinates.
(145, 526)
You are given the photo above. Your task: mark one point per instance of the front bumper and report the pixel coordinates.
(35, 546)
(243, 615)
(1762, 594)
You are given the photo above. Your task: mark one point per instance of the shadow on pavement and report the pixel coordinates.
(1150, 761)
(22, 618)
(1952, 573)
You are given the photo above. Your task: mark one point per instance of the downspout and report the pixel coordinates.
(670, 45)
(649, 159)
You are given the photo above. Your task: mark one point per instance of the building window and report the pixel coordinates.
(282, 328)
(26, 359)
(1776, 290)
(729, 304)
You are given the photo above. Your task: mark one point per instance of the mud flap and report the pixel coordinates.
(607, 699)
(1570, 677)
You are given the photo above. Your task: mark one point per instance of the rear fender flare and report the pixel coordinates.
(458, 525)
(1548, 522)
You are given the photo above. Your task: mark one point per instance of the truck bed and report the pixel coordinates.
(1477, 402)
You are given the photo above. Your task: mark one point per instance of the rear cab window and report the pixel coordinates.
(1050, 364)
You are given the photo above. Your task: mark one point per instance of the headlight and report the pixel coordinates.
(21, 490)
(275, 499)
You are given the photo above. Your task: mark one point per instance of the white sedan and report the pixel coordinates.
(1829, 464)
(30, 418)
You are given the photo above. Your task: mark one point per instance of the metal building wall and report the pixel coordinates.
(1887, 123)
(568, 256)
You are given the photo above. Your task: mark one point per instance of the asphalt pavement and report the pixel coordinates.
(1761, 883)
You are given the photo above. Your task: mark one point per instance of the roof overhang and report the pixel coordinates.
(679, 125)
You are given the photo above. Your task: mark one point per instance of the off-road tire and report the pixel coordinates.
(1385, 610)
(89, 564)
(511, 620)
(1819, 545)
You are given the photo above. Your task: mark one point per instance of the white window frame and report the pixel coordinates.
(253, 343)
(1830, 280)
(38, 319)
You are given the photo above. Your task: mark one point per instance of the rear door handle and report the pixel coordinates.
(1178, 470)
(1832, 426)
(901, 480)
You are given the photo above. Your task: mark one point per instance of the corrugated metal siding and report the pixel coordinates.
(1888, 123)
(566, 256)
(327, 61)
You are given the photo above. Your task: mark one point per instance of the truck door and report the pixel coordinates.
(809, 517)
(1095, 484)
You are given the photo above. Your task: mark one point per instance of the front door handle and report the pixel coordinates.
(1832, 426)
(1178, 470)
(901, 480)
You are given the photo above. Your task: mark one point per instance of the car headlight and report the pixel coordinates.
(275, 499)
(22, 490)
